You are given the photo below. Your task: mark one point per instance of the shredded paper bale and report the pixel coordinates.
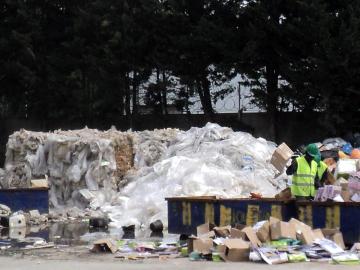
(128, 174)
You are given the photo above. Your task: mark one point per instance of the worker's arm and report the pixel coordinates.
(324, 177)
(292, 168)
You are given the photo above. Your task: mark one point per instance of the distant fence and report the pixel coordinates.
(294, 128)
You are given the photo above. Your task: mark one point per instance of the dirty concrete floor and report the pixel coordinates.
(96, 263)
(80, 258)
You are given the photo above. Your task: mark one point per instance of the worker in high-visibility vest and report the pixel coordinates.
(304, 170)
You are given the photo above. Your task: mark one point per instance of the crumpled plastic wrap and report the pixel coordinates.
(212, 160)
(72, 160)
(80, 159)
(129, 174)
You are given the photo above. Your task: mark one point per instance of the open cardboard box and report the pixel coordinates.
(235, 250)
(104, 245)
(280, 229)
(201, 245)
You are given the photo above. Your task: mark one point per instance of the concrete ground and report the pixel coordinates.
(109, 262)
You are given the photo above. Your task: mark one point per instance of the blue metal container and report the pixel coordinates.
(251, 211)
(185, 214)
(26, 199)
(332, 215)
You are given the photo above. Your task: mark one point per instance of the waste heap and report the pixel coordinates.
(129, 174)
(343, 160)
(75, 160)
(269, 241)
(212, 160)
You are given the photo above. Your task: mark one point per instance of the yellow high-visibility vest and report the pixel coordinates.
(303, 181)
(321, 169)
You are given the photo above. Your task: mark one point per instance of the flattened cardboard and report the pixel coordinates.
(251, 236)
(105, 245)
(237, 250)
(263, 233)
(200, 245)
(39, 183)
(339, 240)
(334, 235)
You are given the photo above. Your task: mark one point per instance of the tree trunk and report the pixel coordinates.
(272, 79)
(127, 95)
(163, 94)
(134, 94)
(205, 98)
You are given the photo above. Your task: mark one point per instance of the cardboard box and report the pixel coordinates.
(222, 231)
(236, 250)
(39, 183)
(339, 240)
(250, 235)
(318, 234)
(263, 232)
(200, 245)
(284, 195)
(298, 225)
(281, 156)
(235, 233)
(304, 232)
(280, 229)
(204, 229)
(334, 235)
(104, 245)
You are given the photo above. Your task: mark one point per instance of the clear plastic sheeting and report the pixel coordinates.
(128, 174)
(73, 160)
(80, 159)
(212, 160)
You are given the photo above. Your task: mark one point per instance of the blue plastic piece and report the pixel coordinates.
(347, 148)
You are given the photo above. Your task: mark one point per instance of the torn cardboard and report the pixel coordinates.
(250, 235)
(105, 245)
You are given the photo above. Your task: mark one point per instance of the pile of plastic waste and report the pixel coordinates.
(128, 174)
(212, 160)
(75, 160)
